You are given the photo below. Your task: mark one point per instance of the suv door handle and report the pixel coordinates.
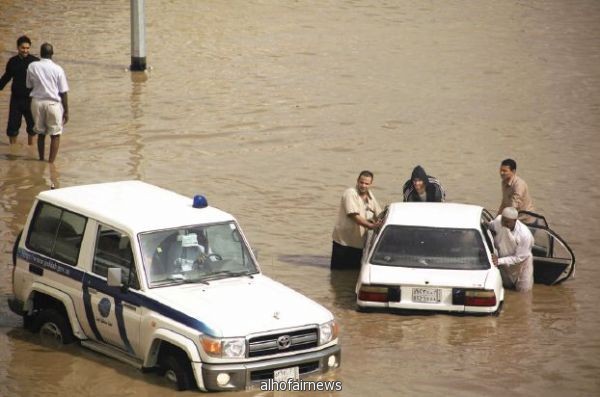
(129, 306)
(92, 291)
(36, 270)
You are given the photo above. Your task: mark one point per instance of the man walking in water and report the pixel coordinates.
(49, 104)
(20, 107)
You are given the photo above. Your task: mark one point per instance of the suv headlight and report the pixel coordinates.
(327, 332)
(224, 347)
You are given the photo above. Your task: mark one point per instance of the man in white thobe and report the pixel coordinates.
(514, 241)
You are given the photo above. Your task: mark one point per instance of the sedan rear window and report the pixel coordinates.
(436, 248)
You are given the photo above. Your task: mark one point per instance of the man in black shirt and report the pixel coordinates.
(20, 103)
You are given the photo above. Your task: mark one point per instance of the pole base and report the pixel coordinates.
(137, 64)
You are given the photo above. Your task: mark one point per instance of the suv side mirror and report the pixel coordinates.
(114, 277)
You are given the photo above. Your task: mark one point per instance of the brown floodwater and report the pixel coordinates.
(271, 108)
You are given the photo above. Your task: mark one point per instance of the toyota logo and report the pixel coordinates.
(283, 342)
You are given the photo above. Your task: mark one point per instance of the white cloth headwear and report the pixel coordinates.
(510, 213)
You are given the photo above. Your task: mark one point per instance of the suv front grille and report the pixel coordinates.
(283, 342)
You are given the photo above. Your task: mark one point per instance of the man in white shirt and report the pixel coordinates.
(514, 241)
(49, 104)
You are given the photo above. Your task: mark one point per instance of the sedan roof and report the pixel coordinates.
(448, 215)
(133, 206)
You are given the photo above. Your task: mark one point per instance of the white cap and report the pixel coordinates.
(510, 213)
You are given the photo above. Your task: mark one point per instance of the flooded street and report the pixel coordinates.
(271, 109)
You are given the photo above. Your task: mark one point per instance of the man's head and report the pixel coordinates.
(46, 51)
(364, 181)
(419, 179)
(508, 169)
(23, 46)
(509, 217)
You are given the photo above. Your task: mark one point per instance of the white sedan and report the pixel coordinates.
(431, 256)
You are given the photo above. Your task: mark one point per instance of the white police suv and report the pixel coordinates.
(163, 282)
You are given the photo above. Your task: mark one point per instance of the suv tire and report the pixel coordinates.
(177, 370)
(53, 325)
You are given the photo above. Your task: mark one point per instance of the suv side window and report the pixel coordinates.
(113, 249)
(56, 233)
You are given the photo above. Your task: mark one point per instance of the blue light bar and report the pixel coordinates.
(200, 201)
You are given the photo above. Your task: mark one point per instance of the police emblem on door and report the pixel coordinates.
(104, 307)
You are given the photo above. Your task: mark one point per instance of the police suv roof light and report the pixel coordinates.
(200, 201)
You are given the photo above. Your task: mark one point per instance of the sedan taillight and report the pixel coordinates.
(377, 293)
(473, 297)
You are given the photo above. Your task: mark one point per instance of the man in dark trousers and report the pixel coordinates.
(357, 214)
(16, 69)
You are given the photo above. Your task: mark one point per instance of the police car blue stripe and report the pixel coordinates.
(89, 313)
(67, 271)
(50, 264)
(130, 296)
(121, 326)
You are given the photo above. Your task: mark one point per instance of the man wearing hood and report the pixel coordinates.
(514, 242)
(423, 188)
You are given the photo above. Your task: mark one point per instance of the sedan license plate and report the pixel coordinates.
(282, 375)
(426, 295)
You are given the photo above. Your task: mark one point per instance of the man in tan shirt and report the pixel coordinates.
(515, 192)
(357, 213)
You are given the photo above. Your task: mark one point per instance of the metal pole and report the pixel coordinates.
(138, 36)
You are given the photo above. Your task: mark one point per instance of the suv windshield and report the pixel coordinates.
(195, 254)
(424, 247)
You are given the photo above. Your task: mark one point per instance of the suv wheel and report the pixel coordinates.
(28, 321)
(53, 327)
(178, 370)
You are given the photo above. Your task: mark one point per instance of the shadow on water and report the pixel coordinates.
(305, 260)
(342, 282)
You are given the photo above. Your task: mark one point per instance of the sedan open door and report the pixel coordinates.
(553, 259)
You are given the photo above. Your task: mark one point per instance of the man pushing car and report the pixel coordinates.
(514, 241)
